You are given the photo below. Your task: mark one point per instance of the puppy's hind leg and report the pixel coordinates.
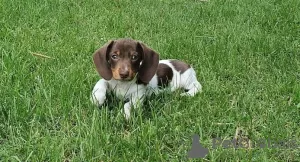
(192, 89)
(190, 83)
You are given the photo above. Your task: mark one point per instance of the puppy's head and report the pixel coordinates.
(122, 59)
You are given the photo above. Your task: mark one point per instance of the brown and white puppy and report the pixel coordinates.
(132, 70)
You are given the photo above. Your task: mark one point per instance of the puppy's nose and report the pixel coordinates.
(124, 73)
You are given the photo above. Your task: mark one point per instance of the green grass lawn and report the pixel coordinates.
(245, 53)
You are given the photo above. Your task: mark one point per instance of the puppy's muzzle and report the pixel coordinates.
(124, 73)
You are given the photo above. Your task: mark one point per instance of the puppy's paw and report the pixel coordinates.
(190, 94)
(98, 99)
(193, 90)
(127, 108)
(185, 94)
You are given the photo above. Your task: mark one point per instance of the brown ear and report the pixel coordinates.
(101, 61)
(149, 63)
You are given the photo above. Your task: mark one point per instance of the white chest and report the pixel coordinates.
(125, 89)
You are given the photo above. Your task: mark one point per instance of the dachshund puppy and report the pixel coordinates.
(132, 70)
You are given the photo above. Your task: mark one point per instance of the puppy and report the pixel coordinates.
(132, 70)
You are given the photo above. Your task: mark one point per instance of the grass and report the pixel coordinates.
(245, 53)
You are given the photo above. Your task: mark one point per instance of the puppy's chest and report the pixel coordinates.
(125, 89)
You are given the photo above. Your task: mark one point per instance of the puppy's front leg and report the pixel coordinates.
(99, 92)
(135, 100)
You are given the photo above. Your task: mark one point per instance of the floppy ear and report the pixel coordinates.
(101, 61)
(149, 63)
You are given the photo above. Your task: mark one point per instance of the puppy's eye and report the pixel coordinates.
(114, 56)
(134, 57)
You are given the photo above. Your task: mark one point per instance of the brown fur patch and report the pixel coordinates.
(115, 73)
(180, 66)
(164, 75)
(117, 52)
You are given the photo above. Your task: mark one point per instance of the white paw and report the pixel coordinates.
(127, 107)
(98, 98)
(184, 94)
(190, 93)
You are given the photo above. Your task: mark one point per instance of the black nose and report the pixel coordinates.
(124, 74)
